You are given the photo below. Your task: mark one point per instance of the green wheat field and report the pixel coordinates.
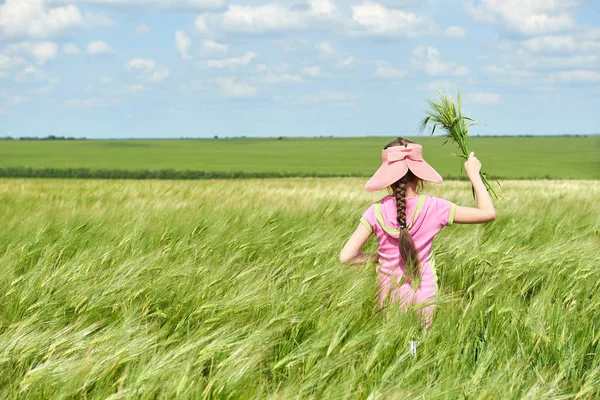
(503, 157)
(231, 289)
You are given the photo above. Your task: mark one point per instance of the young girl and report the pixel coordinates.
(406, 223)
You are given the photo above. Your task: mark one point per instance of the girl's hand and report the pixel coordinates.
(472, 166)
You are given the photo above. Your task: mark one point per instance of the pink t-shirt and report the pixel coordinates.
(433, 215)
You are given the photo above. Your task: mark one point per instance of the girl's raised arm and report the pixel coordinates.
(485, 210)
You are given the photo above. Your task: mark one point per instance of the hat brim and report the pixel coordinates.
(390, 173)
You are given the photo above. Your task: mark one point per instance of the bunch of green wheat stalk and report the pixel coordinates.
(448, 115)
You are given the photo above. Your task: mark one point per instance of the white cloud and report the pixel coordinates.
(278, 78)
(527, 17)
(232, 62)
(106, 80)
(455, 32)
(560, 44)
(442, 84)
(325, 49)
(268, 17)
(429, 60)
(336, 98)
(33, 19)
(574, 76)
(42, 52)
(484, 98)
(87, 102)
(70, 48)
(99, 47)
(313, 72)
(45, 90)
(194, 85)
(12, 100)
(210, 47)
(510, 72)
(30, 74)
(133, 88)
(230, 88)
(141, 30)
(147, 70)
(376, 19)
(387, 71)
(169, 5)
(9, 62)
(183, 43)
(327, 52)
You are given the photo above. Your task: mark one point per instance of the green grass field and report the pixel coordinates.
(232, 289)
(516, 158)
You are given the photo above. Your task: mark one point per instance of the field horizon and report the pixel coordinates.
(502, 157)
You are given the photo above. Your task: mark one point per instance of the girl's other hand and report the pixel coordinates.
(472, 166)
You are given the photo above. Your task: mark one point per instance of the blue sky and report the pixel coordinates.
(199, 68)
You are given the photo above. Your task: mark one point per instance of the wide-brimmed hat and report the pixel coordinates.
(397, 161)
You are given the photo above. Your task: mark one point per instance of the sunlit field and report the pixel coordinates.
(503, 157)
(233, 289)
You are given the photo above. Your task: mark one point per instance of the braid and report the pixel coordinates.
(400, 194)
(406, 245)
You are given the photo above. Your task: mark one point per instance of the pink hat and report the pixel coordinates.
(397, 161)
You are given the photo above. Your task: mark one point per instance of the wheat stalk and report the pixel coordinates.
(448, 116)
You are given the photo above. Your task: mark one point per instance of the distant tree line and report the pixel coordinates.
(89, 173)
(49, 137)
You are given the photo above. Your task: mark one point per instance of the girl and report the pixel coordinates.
(406, 223)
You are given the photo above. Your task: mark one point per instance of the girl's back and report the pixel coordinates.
(405, 225)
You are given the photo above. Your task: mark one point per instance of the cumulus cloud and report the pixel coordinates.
(33, 74)
(281, 78)
(508, 72)
(339, 59)
(385, 70)
(42, 52)
(375, 19)
(71, 49)
(133, 88)
(455, 32)
(335, 98)
(560, 44)
(576, 76)
(99, 47)
(325, 49)
(232, 62)
(147, 70)
(156, 4)
(12, 100)
(429, 60)
(35, 20)
(212, 48)
(485, 98)
(442, 84)
(313, 72)
(141, 30)
(527, 17)
(268, 17)
(183, 43)
(9, 63)
(230, 88)
(86, 102)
